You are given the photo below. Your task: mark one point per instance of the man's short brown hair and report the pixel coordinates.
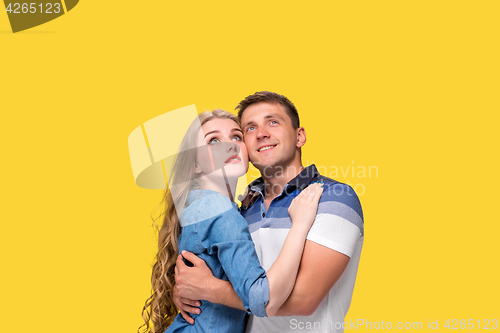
(273, 98)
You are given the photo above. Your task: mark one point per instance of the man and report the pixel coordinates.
(325, 281)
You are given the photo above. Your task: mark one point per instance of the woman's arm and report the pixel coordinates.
(282, 274)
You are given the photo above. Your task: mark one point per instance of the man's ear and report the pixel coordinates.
(301, 137)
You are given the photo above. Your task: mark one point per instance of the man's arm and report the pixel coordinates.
(320, 268)
(198, 283)
(331, 241)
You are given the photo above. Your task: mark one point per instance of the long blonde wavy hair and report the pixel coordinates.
(159, 308)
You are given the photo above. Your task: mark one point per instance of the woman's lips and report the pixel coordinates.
(233, 159)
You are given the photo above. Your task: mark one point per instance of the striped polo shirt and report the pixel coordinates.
(338, 226)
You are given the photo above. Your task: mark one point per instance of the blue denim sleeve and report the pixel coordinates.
(227, 236)
(259, 297)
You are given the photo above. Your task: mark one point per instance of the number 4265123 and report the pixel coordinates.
(25, 8)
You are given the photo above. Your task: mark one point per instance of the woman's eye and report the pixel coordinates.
(213, 141)
(237, 137)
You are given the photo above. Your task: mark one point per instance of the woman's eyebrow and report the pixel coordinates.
(237, 129)
(215, 131)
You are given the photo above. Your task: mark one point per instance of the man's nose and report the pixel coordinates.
(262, 133)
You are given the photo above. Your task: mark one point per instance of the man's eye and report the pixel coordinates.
(274, 121)
(251, 128)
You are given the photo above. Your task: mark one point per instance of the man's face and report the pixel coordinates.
(269, 136)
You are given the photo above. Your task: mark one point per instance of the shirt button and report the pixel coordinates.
(263, 214)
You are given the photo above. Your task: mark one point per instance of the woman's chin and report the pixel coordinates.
(230, 172)
(235, 171)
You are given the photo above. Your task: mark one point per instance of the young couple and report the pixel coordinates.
(225, 273)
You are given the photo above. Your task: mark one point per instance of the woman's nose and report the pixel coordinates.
(233, 146)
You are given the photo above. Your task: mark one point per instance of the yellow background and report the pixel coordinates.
(409, 87)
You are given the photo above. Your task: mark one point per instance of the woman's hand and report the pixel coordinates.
(283, 272)
(303, 208)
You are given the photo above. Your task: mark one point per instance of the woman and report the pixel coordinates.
(199, 202)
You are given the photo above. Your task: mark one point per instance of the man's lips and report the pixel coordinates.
(266, 148)
(234, 157)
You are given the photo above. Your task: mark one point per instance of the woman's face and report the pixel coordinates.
(221, 146)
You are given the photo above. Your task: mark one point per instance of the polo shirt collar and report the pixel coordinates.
(300, 181)
(304, 178)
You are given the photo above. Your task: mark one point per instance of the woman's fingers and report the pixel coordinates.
(312, 192)
(304, 196)
(317, 193)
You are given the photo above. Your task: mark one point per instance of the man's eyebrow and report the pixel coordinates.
(274, 116)
(269, 116)
(251, 122)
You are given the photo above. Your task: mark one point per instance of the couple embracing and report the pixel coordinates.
(286, 259)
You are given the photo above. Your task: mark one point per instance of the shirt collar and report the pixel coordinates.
(300, 181)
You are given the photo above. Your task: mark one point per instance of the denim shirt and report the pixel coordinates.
(214, 230)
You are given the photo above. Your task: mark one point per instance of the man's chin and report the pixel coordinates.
(260, 164)
(264, 166)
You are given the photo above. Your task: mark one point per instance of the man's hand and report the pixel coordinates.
(191, 284)
(198, 283)
(185, 306)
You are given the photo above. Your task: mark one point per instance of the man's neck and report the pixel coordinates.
(276, 179)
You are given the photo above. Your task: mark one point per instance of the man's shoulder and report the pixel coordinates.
(335, 189)
(339, 196)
